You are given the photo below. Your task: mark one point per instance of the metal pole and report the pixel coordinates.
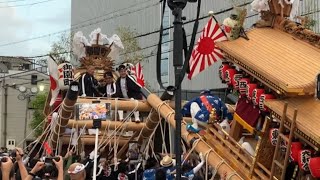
(26, 122)
(177, 63)
(95, 155)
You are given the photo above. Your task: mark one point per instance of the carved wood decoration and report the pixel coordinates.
(299, 31)
(97, 56)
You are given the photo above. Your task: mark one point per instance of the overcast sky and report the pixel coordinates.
(24, 22)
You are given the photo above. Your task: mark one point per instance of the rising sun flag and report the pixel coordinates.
(206, 52)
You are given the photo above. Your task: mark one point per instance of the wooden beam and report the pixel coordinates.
(130, 126)
(90, 139)
(214, 159)
(123, 104)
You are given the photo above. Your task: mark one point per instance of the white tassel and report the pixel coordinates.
(241, 140)
(115, 39)
(74, 140)
(225, 126)
(78, 44)
(54, 120)
(246, 146)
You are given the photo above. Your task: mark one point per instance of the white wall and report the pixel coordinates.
(18, 116)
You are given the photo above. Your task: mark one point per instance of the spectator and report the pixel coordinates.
(77, 171)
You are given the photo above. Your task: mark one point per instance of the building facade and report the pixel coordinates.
(16, 92)
(144, 17)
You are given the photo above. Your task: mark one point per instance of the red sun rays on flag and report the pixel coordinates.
(206, 52)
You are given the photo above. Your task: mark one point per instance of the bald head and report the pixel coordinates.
(77, 171)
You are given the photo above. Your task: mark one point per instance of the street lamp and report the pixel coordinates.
(41, 88)
(28, 92)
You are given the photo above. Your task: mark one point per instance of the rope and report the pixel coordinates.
(170, 133)
(42, 143)
(146, 150)
(207, 156)
(81, 132)
(71, 136)
(230, 175)
(164, 148)
(33, 148)
(195, 143)
(120, 127)
(113, 134)
(38, 126)
(217, 167)
(58, 138)
(200, 138)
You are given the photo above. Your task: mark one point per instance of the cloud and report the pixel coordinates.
(19, 24)
(13, 28)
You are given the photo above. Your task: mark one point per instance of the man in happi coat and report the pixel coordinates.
(88, 84)
(200, 108)
(127, 88)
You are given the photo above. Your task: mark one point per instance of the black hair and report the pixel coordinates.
(122, 167)
(108, 73)
(121, 67)
(160, 174)
(151, 162)
(186, 168)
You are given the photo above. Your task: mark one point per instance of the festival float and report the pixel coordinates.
(273, 69)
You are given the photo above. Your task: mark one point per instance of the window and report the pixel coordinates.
(165, 46)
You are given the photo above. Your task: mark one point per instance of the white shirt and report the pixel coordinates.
(123, 85)
(109, 90)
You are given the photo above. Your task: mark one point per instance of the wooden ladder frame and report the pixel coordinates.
(281, 136)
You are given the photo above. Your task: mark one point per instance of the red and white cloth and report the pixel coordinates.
(206, 52)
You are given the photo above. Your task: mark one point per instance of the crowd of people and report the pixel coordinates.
(15, 166)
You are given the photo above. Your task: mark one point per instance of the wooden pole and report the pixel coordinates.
(123, 104)
(213, 159)
(89, 140)
(65, 112)
(129, 126)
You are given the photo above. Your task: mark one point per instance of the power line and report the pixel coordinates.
(138, 4)
(74, 28)
(11, 1)
(31, 4)
(153, 32)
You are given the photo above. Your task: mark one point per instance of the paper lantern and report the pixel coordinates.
(273, 136)
(229, 75)
(250, 88)
(295, 149)
(222, 71)
(235, 80)
(284, 144)
(304, 157)
(243, 85)
(262, 99)
(65, 75)
(314, 166)
(256, 96)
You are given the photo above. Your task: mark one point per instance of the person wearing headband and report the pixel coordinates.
(77, 171)
(200, 109)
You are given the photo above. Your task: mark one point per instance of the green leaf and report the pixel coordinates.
(37, 104)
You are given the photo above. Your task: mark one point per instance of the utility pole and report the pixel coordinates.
(177, 6)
